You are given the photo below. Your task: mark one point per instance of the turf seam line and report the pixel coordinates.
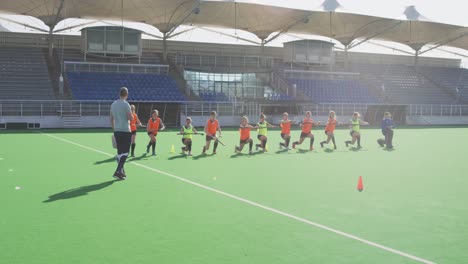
(297, 218)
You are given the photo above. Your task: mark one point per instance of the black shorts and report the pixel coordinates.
(245, 141)
(387, 131)
(352, 132)
(183, 140)
(208, 138)
(134, 132)
(259, 136)
(284, 135)
(123, 140)
(326, 132)
(304, 135)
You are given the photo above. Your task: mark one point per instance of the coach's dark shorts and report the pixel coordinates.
(304, 135)
(123, 139)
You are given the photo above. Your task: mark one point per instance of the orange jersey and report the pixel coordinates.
(244, 133)
(285, 127)
(307, 125)
(331, 125)
(154, 125)
(211, 127)
(133, 123)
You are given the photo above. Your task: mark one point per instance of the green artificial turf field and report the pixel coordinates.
(60, 204)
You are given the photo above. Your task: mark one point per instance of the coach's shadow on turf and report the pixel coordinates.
(80, 191)
(105, 161)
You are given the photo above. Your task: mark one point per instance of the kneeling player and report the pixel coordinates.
(387, 131)
(285, 125)
(306, 125)
(187, 131)
(245, 138)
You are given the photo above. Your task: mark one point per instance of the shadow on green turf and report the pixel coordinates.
(105, 161)
(237, 155)
(80, 191)
(180, 156)
(201, 156)
(142, 156)
(281, 151)
(303, 151)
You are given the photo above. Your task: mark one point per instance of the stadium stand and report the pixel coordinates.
(213, 96)
(449, 78)
(334, 91)
(143, 87)
(403, 85)
(24, 74)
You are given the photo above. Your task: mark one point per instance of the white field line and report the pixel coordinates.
(341, 233)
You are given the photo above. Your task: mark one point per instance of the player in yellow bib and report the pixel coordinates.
(262, 127)
(187, 131)
(355, 127)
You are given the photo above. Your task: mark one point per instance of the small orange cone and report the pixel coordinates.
(360, 186)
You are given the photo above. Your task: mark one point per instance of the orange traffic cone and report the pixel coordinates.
(360, 186)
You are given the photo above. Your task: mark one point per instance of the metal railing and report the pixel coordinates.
(21, 108)
(437, 110)
(116, 67)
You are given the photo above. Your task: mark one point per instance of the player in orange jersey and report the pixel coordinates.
(211, 128)
(285, 125)
(245, 138)
(133, 128)
(154, 125)
(306, 125)
(330, 129)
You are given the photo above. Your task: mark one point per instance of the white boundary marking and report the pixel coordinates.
(341, 233)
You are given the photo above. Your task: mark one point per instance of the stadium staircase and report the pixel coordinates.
(448, 79)
(177, 74)
(24, 74)
(403, 85)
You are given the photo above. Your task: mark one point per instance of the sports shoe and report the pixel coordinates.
(321, 144)
(189, 154)
(311, 148)
(236, 149)
(214, 152)
(154, 154)
(294, 145)
(147, 149)
(119, 175)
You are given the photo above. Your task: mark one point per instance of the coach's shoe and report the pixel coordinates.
(119, 175)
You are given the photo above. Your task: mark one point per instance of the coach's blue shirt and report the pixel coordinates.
(387, 123)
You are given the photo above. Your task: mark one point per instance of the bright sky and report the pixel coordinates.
(442, 11)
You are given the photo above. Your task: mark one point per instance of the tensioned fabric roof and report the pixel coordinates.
(266, 22)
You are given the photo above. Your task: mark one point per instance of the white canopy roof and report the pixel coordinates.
(266, 22)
